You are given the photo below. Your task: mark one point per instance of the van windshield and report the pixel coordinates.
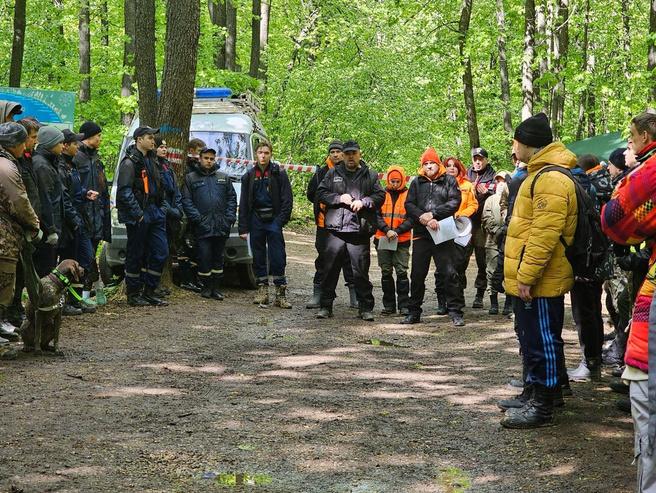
(227, 145)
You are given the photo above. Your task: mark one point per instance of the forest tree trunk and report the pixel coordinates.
(179, 74)
(528, 58)
(18, 44)
(145, 69)
(128, 55)
(467, 79)
(231, 36)
(256, 16)
(503, 67)
(217, 9)
(85, 52)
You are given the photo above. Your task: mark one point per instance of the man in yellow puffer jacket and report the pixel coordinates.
(535, 267)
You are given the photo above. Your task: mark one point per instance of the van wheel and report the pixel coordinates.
(246, 276)
(108, 275)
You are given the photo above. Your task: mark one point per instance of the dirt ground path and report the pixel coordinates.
(203, 396)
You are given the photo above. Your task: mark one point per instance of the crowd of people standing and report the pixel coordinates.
(524, 229)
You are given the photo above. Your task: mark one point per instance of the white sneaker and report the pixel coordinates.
(7, 328)
(579, 374)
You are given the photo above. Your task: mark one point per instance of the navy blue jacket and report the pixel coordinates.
(210, 202)
(172, 196)
(132, 201)
(95, 213)
(45, 164)
(281, 196)
(71, 184)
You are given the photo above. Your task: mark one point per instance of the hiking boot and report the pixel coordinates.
(441, 306)
(315, 301)
(281, 298)
(494, 305)
(624, 405)
(518, 401)
(366, 316)
(70, 310)
(353, 297)
(404, 311)
(149, 296)
(191, 286)
(84, 306)
(388, 311)
(537, 412)
(478, 299)
(619, 386)
(458, 320)
(135, 299)
(584, 372)
(262, 296)
(162, 292)
(411, 318)
(325, 312)
(507, 306)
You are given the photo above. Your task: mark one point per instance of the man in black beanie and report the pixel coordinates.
(335, 157)
(536, 269)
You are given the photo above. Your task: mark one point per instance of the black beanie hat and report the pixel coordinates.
(335, 144)
(534, 131)
(617, 159)
(89, 129)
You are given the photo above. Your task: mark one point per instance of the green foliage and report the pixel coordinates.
(388, 74)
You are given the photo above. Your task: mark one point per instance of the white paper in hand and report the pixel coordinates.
(385, 243)
(447, 231)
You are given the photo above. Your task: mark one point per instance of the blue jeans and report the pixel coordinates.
(146, 253)
(268, 244)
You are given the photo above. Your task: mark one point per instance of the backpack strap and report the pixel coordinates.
(558, 169)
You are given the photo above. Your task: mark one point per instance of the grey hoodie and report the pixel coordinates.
(6, 108)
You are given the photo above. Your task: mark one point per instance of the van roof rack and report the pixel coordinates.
(244, 103)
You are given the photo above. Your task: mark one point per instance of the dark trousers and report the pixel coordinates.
(268, 244)
(445, 257)
(146, 254)
(390, 262)
(45, 259)
(586, 311)
(460, 261)
(355, 247)
(320, 245)
(210, 256)
(540, 326)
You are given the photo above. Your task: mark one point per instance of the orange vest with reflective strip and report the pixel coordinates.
(394, 215)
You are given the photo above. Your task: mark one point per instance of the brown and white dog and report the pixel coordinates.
(41, 326)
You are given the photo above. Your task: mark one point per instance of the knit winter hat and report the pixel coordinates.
(430, 154)
(335, 144)
(534, 131)
(49, 137)
(12, 134)
(71, 136)
(617, 159)
(89, 129)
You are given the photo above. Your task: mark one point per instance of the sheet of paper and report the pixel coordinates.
(463, 241)
(385, 243)
(447, 231)
(248, 242)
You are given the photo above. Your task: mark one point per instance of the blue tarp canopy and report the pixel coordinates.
(49, 107)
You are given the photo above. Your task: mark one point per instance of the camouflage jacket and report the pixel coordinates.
(16, 213)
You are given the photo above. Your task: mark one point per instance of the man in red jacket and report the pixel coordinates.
(629, 218)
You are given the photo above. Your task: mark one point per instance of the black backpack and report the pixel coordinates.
(588, 251)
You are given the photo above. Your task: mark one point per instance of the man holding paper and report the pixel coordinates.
(433, 199)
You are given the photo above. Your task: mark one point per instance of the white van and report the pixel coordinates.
(231, 127)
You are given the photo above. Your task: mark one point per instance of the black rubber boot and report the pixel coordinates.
(353, 297)
(389, 294)
(149, 296)
(315, 301)
(403, 293)
(478, 299)
(537, 412)
(216, 284)
(206, 290)
(441, 306)
(494, 304)
(518, 401)
(135, 298)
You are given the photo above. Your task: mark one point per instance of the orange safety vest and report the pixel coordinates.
(394, 215)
